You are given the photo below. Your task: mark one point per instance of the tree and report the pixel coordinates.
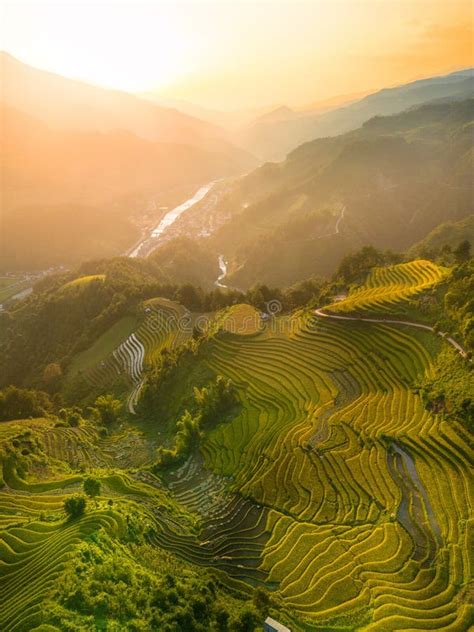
(74, 419)
(188, 434)
(92, 487)
(261, 600)
(187, 438)
(19, 403)
(215, 400)
(222, 619)
(108, 409)
(248, 619)
(75, 506)
(71, 416)
(463, 252)
(190, 296)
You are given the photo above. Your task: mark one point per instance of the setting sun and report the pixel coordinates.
(130, 47)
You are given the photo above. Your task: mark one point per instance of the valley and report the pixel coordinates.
(146, 246)
(287, 221)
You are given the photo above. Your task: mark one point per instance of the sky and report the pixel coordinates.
(233, 55)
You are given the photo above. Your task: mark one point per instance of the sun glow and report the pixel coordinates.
(125, 46)
(231, 54)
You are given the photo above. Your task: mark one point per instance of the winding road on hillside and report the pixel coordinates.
(388, 321)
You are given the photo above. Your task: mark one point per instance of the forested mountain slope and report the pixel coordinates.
(446, 236)
(387, 184)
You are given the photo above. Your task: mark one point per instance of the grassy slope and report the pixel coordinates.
(104, 345)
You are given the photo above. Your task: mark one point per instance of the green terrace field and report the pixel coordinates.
(84, 280)
(392, 287)
(356, 474)
(133, 344)
(332, 485)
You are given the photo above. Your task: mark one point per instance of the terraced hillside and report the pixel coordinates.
(333, 485)
(165, 325)
(368, 493)
(38, 544)
(391, 287)
(33, 557)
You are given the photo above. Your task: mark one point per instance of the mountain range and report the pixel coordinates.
(87, 170)
(387, 184)
(79, 162)
(271, 138)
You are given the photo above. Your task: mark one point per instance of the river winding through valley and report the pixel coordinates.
(151, 240)
(223, 268)
(168, 219)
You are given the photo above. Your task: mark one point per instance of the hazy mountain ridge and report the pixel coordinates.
(64, 103)
(113, 162)
(396, 179)
(447, 235)
(273, 140)
(79, 162)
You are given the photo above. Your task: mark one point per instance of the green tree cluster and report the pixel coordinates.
(459, 302)
(92, 487)
(75, 506)
(355, 267)
(448, 255)
(71, 416)
(149, 590)
(20, 403)
(106, 410)
(186, 439)
(449, 389)
(211, 404)
(215, 400)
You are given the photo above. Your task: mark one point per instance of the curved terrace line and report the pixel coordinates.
(388, 321)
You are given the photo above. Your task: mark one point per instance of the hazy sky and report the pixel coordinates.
(231, 54)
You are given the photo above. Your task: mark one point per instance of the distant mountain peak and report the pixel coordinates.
(280, 113)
